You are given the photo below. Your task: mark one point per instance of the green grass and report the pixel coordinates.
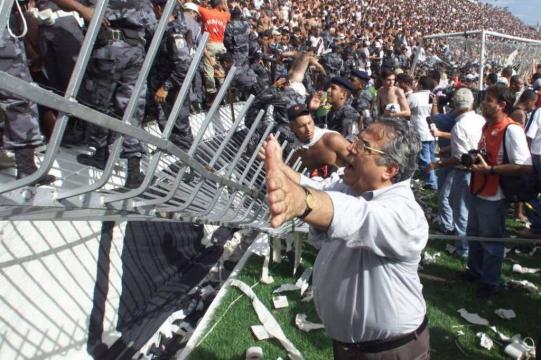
(444, 292)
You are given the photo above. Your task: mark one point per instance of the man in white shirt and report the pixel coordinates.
(488, 205)
(366, 287)
(465, 136)
(420, 110)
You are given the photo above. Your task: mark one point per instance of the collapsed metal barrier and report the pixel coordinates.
(219, 180)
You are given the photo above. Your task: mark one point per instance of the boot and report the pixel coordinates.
(134, 177)
(97, 160)
(24, 161)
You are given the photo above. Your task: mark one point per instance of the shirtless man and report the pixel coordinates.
(316, 147)
(391, 99)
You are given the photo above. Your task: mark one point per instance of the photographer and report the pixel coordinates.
(465, 136)
(488, 204)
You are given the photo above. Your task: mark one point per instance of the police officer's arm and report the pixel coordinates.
(86, 12)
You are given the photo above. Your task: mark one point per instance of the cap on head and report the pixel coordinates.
(343, 82)
(297, 110)
(363, 75)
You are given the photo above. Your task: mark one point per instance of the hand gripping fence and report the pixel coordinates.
(219, 180)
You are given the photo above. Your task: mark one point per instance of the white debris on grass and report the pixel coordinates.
(532, 253)
(485, 341)
(505, 313)
(525, 284)
(460, 333)
(286, 287)
(450, 249)
(524, 270)
(472, 317)
(280, 302)
(500, 335)
(305, 325)
(268, 321)
(260, 333)
(430, 258)
(309, 296)
(254, 353)
(302, 283)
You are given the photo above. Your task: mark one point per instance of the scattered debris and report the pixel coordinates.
(460, 333)
(520, 349)
(302, 282)
(269, 322)
(309, 296)
(254, 353)
(505, 313)
(260, 333)
(501, 336)
(524, 284)
(450, 249)
(286, 287)
(486, 341)
(430, 258)
(505, 252)
(473, 318)
(523, 270)
(305, 325)
(532, 253)
(280, 302)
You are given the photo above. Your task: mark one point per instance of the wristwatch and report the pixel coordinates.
(309, 201)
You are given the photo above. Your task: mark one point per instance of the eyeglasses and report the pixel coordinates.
(364, 147)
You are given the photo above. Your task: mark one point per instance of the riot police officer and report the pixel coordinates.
(237, 38)
(21, 129)
(363, 99)
(169, 71)
(111, 75)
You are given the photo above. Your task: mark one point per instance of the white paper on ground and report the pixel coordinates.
(286, 287)
(309, 296)
(305, 325)
(268, 321)
(280, 301)
(500, 335)
(430, 258)
(505, 313)
(259, 332)
(485, 341)
(472, 317)
(302, 283)
(525, 284)
(524, 270)
(450, 248)
(460, 333)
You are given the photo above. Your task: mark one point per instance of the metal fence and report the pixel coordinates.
(216, 181)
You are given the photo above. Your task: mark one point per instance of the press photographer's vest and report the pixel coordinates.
(491, 141)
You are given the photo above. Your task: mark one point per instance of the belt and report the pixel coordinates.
(107, 35)
(376, 346)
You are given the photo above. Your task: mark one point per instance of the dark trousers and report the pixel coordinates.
(417, 349)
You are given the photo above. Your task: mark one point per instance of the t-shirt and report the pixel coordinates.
(534, 132)
(214, 22)
(420, 110)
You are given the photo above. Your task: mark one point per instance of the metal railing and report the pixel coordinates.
(216, 181)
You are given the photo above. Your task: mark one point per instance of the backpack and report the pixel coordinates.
(517, 188)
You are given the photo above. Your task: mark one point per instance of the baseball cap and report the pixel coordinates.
(463, 99)
(191, 6)
(297, 110)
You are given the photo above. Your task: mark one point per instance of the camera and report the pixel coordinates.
(470, 158)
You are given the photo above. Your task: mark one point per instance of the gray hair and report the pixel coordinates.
(402, 148)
